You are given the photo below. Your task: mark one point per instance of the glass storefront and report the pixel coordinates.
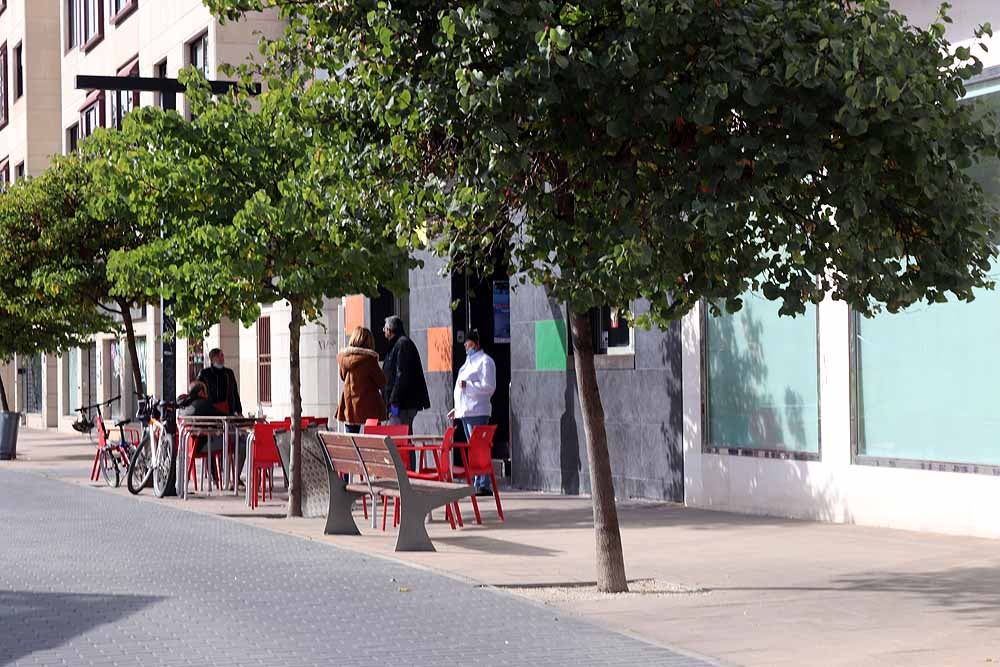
(926, 378)
(762, 379)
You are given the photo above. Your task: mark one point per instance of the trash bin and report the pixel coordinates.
(9, 423)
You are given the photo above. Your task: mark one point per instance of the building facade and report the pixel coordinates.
(889, 421)
(44, 46)
(885, 421)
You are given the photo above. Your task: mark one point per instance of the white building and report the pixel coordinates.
(892, 421)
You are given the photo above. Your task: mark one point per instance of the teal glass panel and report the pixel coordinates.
(926, 378)
(763, 385)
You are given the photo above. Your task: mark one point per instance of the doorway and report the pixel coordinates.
(483, 303)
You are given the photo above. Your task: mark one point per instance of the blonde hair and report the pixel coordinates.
(362, 337)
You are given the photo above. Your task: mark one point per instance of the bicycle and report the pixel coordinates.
(111, 457)
(155, 456)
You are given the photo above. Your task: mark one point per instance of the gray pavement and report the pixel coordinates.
(88, 577)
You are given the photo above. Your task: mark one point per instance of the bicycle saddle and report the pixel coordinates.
(123, 422)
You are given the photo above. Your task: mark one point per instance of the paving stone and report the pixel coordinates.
(87, 577)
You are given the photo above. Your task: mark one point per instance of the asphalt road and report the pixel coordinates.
(92, 578)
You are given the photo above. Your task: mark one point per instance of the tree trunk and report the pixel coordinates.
(295, 472)
(133, 355)
(3, 397)
(610, 560)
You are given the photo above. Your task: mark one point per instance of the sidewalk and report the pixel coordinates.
(749, 590)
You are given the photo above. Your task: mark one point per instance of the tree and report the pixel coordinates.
(255, 209)
(673, 151)
(59, 235)
(40, 309)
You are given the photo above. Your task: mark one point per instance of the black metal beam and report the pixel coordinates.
(149, 84)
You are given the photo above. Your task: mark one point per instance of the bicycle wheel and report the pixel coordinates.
(109, 468)
(140, 471)
(163, 467)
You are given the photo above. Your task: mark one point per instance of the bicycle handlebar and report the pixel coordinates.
(84, 408)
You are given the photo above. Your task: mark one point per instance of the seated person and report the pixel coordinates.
(197, 404)
(220, 383)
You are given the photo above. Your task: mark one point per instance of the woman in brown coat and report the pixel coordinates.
(363, 381)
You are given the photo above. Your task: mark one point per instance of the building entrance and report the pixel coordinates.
(483, 303)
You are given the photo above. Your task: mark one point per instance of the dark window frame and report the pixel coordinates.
(126, 10)
(4, 173)
(264, 360)
(18, 71)
(72, 25)
(200, 40)
(4, 87)
(95, 101)
(89, 42)
(160, 72)
(118, 96)
(20, 172)
(73, 137)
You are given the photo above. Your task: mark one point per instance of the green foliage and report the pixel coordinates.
(257, 205)
(56, 232)
(672, 150)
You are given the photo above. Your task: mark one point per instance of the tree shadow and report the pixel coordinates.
(34, 621)
(743, 412)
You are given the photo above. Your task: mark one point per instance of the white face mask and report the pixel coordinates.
(218, 365)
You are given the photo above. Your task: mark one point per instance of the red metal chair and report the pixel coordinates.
(194, 455)
(442, 474)
(392, 431)
(264, 456)
(477, 460)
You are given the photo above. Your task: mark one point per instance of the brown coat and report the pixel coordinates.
(363, 382)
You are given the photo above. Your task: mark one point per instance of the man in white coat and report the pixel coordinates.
(474, 387)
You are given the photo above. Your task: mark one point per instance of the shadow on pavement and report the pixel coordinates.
(31, 621)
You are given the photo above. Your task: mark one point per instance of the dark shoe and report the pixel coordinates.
(484, 492)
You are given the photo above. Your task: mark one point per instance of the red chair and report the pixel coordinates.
(442, 474)
(194, 455)
(264, 456)
(477, 460)
(371, 422)
(392, 431)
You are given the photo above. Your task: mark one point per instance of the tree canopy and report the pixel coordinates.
(668, 150)
(258, 205)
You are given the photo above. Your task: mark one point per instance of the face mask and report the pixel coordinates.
(218, 365)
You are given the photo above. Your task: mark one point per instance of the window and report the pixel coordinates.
(3, 6)
(71, 385)
(198, 54)
(196, 359)
(121, 10)
(264, 360)
(18, 71)
(124, 101)
(72, 25)
(612, 333)
(160, 72)
(4, 173)
(93, 23)
(4, 108)
(72, 138)
(925, 388)
(32, 379)
(19, 172)
(92, 114)
(761, 380)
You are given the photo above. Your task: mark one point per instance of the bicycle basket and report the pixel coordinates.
(83, 425)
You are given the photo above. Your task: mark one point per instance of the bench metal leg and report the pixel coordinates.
(412, 534)
(339, 520)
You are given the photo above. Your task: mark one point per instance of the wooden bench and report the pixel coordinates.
(376, 461)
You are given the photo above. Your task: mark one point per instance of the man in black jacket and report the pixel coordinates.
(223, 391)
(405, 388)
